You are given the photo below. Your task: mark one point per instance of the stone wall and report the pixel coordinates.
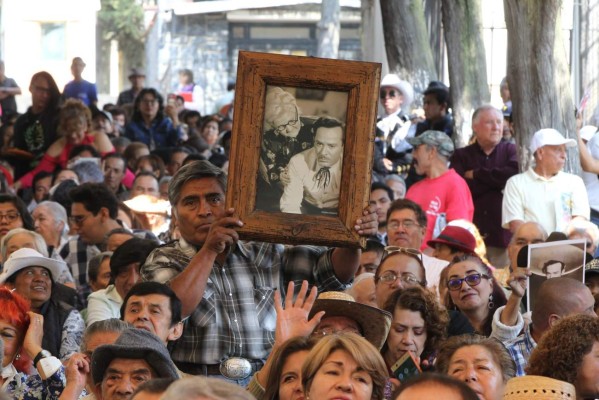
(197, 42)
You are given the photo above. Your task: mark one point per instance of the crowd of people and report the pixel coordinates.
(123, 275)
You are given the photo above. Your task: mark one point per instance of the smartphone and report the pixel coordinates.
(406, 367)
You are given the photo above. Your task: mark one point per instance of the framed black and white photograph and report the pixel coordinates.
(564, 258)
(301, 158)
(301, 150)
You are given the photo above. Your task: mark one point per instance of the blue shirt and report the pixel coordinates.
(82, 90)
(520, 349)
(161, 133)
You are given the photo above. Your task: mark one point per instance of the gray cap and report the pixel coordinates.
(437, 139)
(136, 72)
(136, 344)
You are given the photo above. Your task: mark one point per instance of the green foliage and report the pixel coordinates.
(123, 21)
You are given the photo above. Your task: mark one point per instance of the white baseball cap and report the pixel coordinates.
(549, 137)
(587, 132)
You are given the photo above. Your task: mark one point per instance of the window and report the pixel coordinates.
(53, 41)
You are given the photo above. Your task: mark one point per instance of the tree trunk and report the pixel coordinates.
(466, 62)
(589, 58)
(408, 49)
(538, 74)
(328, 29)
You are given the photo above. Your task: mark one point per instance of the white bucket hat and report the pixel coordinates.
(26, 257)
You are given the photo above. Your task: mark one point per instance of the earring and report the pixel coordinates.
(491, 304)
(18, 357)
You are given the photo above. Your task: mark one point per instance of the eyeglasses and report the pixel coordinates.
(389, 277)
(407, 224)
(472, 280)
(406, 250)
(10, 216)
(331, 331)
(283, 128)
(78, 219)
(149, 102)
(391, 93)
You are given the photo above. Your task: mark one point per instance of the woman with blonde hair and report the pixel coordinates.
(74, 129)
(344, 365)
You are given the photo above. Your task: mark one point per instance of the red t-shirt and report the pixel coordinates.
(448, 193)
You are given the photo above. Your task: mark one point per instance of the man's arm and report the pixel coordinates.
(346, 260)
(496, 177)
(512, 209)
(587, 162)
(294, 190)
(190, 284)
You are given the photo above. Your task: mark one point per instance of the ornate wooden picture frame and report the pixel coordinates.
(278, 144)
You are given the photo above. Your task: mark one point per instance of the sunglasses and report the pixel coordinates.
(391, 93)
(472, 280)
(405, 250)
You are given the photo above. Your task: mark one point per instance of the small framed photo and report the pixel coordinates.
(302, 148)
(564, 258)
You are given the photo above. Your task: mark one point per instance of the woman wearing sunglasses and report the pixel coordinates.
(473, 290)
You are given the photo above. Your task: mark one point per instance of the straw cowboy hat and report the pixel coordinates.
(538, 388)
(375, 323)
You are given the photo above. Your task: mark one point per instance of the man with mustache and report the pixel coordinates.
(315, 174)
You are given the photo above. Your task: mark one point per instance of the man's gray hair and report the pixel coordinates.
(200, 386)
(105, 326)
(88, 171)
(38, 241)
(58, 212)
(485, 107)
(192, 171)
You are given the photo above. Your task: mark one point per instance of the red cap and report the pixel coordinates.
(455, 237)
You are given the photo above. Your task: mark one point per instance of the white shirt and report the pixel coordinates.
(432, 268)
(302, 170)
(551, 202)
(103, 304)
(591, 181)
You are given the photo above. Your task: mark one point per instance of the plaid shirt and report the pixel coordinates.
(76, 254)
(520, 349)
(236, 316)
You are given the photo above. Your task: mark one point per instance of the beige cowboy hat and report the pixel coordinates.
(571, 255)
(538, 388)
(375, 323)
(26, 257)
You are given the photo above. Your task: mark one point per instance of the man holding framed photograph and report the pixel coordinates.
(226, 286)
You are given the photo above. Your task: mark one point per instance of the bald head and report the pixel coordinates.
(525, 234)
(558, 298)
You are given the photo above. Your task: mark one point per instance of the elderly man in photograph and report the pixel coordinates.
(315, 174)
